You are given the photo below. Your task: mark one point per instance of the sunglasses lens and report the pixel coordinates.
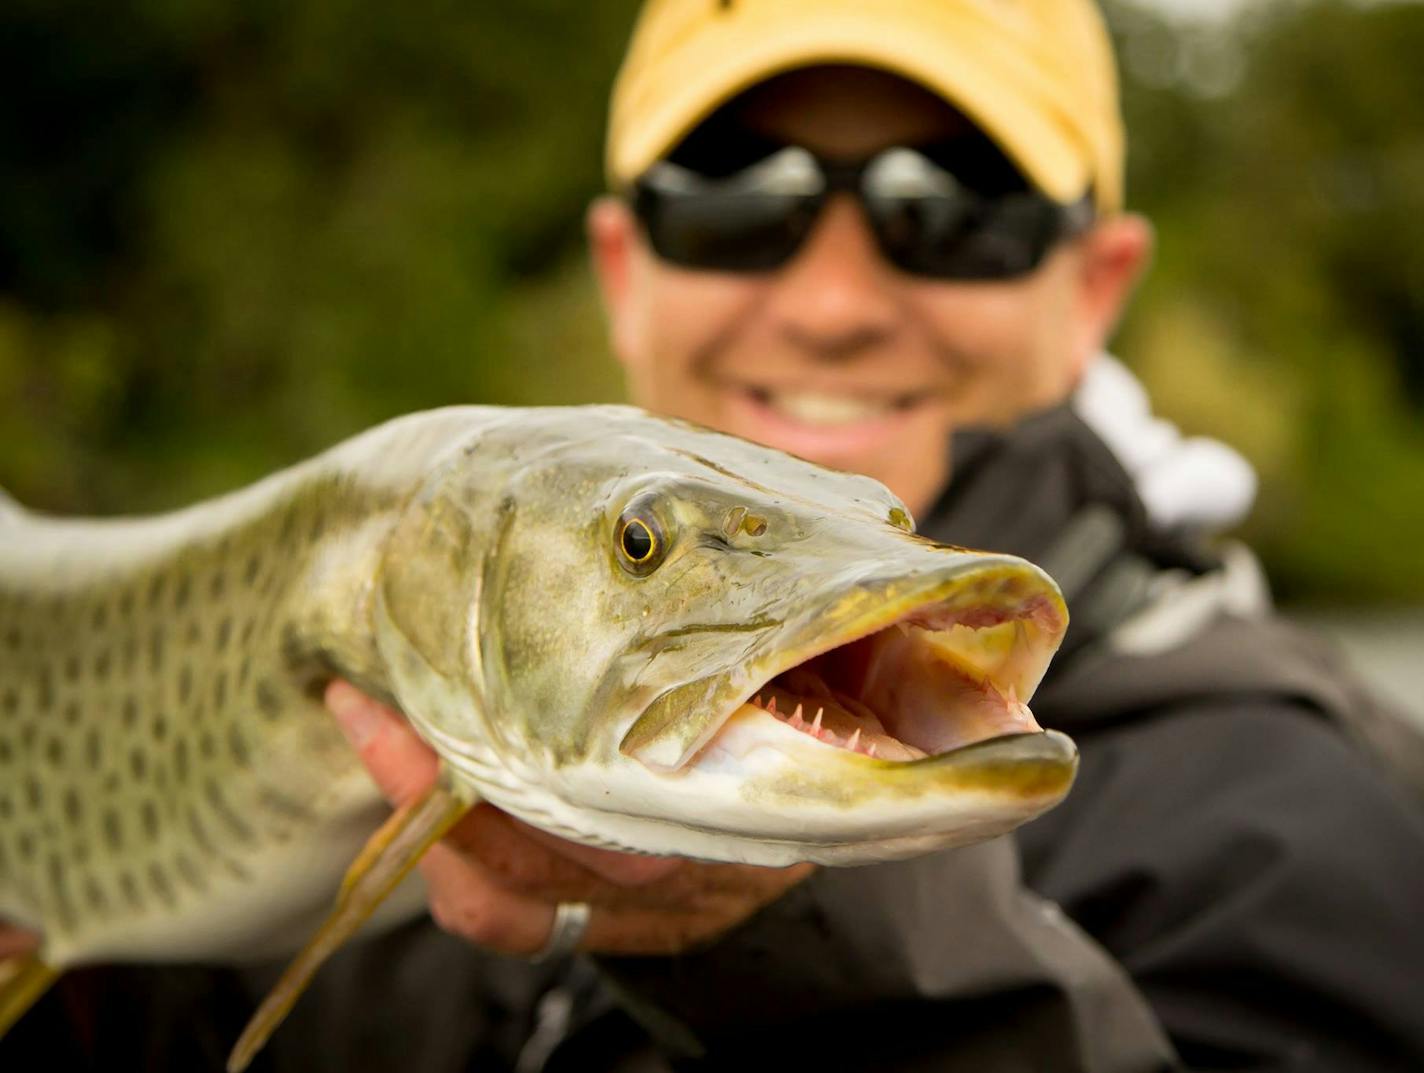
(929, 224)
(965, 238)
(733, 233)
(753, 219)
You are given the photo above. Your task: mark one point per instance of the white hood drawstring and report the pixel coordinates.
(1194, 484)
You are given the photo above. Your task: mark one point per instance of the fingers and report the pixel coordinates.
(15, 941)
(495, 881)
(403, 766)
(703, 904)
(617, 930)
(466, 901)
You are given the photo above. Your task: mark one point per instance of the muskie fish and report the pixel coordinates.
(626, 630)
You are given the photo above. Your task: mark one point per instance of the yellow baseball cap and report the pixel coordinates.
(1037, 76)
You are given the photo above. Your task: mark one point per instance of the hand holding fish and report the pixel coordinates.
(496, 881)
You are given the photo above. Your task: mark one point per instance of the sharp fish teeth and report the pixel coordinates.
(797, 721)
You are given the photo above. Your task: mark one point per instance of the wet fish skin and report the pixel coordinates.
(170, 787)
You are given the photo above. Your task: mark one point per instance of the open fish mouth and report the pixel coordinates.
(912, 674)
(934, 681)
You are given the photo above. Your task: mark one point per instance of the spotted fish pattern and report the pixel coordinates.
(170, 786)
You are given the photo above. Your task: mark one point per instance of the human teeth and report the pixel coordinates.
(813, 409)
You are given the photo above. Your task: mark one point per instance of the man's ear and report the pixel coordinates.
(613, 245)
(1114, 256)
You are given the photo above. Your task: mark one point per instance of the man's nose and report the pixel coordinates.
(836, 297)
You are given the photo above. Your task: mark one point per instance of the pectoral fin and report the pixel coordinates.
(382, 863)
(23, 979)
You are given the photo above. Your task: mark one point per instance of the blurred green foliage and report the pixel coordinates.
(231, 234)
(1281, 157)
(234, 233)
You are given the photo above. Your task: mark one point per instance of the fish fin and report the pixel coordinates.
(383, 862)
(23, 979)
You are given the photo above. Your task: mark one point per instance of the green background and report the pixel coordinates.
(231, 234)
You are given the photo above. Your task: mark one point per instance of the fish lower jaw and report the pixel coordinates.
(789, 799)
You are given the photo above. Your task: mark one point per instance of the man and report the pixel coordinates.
(889, 238)
(962, 272)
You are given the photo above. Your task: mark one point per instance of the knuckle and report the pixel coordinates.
(465, 918)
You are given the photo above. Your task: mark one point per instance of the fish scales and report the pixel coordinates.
(165, 768)
(578, 608)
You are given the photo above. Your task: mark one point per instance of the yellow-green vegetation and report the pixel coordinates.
(1281, 159)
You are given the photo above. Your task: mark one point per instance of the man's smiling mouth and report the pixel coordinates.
(824, 409)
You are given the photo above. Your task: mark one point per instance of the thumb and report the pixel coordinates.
(403, 766)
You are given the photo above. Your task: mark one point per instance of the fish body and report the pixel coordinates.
(169, 786)
(591, 614)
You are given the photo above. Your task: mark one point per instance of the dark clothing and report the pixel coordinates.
(1254, 872)
(1251, 879)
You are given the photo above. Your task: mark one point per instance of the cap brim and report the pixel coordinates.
(983, 75)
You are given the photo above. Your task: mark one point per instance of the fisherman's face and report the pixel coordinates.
(838, 356)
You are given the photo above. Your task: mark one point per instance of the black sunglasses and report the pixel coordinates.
(926, 222)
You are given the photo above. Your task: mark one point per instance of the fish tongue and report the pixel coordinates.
(869, 736)
(884, 747)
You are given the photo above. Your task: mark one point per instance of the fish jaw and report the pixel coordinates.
(896, 731)
(954, 621)
(777, 806)
(616, 705)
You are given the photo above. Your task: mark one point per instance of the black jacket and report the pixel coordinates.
(1235, 883)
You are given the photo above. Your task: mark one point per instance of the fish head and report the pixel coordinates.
(686, 643)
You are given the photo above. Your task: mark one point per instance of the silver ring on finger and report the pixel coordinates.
(570, 922)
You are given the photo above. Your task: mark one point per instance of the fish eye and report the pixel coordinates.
(639, 540)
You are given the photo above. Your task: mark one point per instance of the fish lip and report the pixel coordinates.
(1055, 751)
(660, 747)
